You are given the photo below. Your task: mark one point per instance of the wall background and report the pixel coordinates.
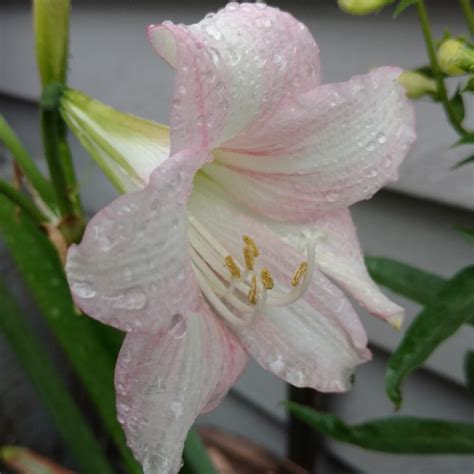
(413, 221)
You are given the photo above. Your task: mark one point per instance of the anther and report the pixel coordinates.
(249, 242)
(267, 279)
(299, 273)
(249, 257)
(232, 266)
(253, 290)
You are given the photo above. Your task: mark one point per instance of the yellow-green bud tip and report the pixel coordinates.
(456, 57)
(417, 84)
(362, 7)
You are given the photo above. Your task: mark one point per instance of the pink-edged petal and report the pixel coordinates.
(316, 341)
(165, 381)
(233, 70)
(324, 150)
(133, 259)
(339, 256)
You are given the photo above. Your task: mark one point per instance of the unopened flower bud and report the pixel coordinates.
(417, 84)
(51, 23)
(362, 7)
(456, 57)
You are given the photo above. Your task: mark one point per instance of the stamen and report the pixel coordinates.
(267, 279)
(299, 273)
(253, 290)
(232, 266)
(249, 257)
(249, 242)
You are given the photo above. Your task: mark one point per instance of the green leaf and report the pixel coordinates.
(26, 461)
(402, 6)
(466, 139)
(441, 318)
(469, 371)
(196, 460)
(466, 232)
(406, 280)
(47, 381)
(42, 186)
(21, 200)
(463, 162)
(457, 105)
(398, 434)
(42, 271)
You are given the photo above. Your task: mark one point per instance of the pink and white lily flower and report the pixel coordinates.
(230, 226)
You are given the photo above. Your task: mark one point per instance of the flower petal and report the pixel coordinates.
(134, 259)
(233, 70)
(126, 147)
(323, 150)
(164, 381)
(316, 341)
(339, 256)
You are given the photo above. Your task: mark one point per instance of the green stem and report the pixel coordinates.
(196, 460)
(72, 224)
(26, 163)
(22, 201)
(468, 14)
(441, 86)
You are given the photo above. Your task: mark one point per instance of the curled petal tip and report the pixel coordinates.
(396, 321)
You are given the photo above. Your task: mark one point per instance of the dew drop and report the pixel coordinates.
(131, 299)
(123, 407)
(372, 173)
(331, 196)
(277, 365)
(182, 90)
(178, 326)
(381, 138)
(370, 146)
(232, 6)
(83, 289)
(388, 163)
(177, 409)
(213, 32)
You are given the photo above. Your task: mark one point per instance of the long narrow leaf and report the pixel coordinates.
(469, 371)
(406, 280)
(452, 307)
(41, 269)
(26, 164)
(397, 434)
(21, 200)
(67, 418)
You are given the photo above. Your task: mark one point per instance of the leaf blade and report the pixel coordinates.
(67, 417)
(452, 307)
(397, 434)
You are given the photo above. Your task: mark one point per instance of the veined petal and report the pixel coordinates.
(339, 256)
(133, 261)
(126, 147)
(323, 150)
(233, 70)
(316, 341)
(165, 381)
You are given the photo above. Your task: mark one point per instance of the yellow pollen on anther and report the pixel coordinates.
(249, 257)
(267, 279)
(300, 273)
(232, 266)
(249, 242)
(253, 290)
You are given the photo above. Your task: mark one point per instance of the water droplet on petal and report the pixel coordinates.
(277, 365)
(232, 6)
(123, 407)
(182, 90)
(370, 146)
(83, 289)
(331, 196)
(131, 299)
(381, 138)
(388, 163)
(178, 326)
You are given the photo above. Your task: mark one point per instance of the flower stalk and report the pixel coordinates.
(438, 74)
(468, 14)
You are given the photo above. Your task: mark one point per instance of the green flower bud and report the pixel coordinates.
(417, 84)
(456, 57)
(51, 24)
(362, 7)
